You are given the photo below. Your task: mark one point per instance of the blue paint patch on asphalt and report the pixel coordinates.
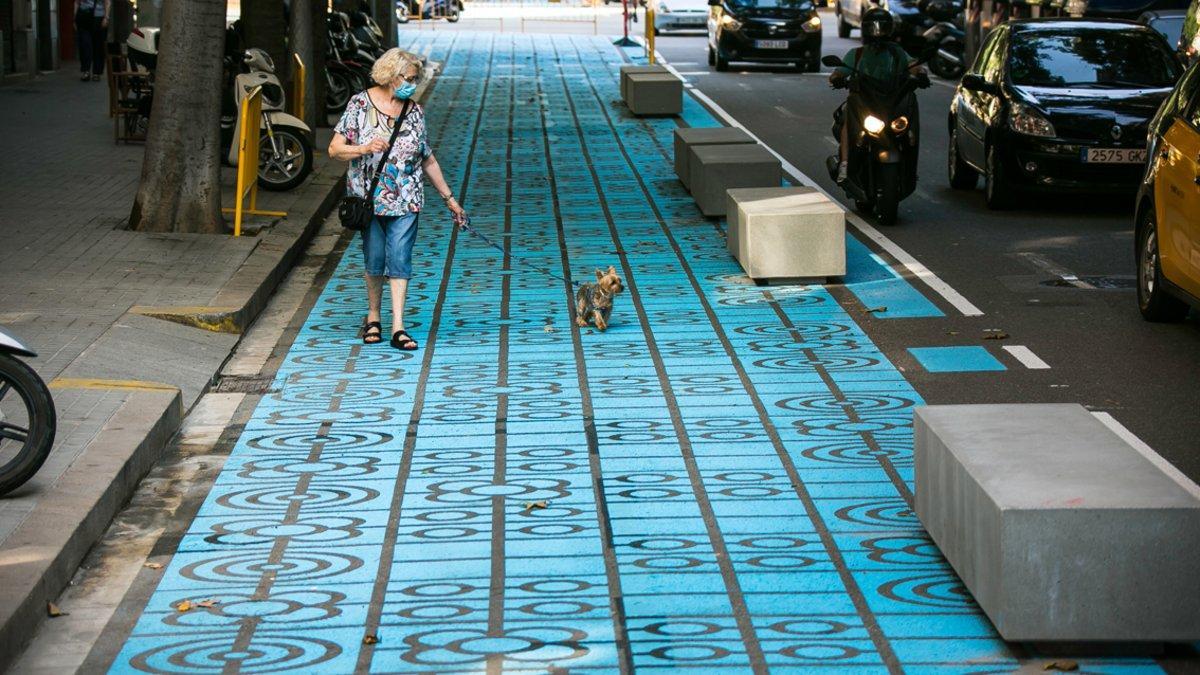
(695, 115)
(967, 359)
(721, 480)
(876, 284)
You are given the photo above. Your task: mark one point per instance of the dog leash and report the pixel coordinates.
(466, 227)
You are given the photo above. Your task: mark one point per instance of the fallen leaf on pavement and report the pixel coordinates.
(951, 332)
(996, 336)
(370, 639)
(208, 602)
(881, 308)
(1065, 666)
(548, 329)
(153, 566)
(183, 606)
(53, 611)
(529, 506)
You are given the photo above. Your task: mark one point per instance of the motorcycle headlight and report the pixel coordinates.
(1026, 120)
(900, 124)
(812, 25)
(873, 125)
(730, 23)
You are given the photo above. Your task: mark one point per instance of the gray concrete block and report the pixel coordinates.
(686, 137)
(717, 168)
(1060, 529)
(786, 232)
(633, 70)
(654, 94)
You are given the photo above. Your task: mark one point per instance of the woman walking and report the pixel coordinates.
(91, 31)
(362, 137)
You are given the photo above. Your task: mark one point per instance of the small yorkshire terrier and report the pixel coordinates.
(594, 302)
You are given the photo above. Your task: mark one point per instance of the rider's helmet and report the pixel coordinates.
(878, 25)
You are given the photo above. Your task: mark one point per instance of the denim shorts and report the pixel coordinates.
(387, 245)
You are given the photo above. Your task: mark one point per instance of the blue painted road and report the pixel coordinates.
(721, 482)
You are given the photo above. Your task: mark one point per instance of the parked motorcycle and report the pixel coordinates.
(285, 153)
(347, 67)
(368, 33)
(27, 417)
(947, 38)
(450, 10)
(883, 152)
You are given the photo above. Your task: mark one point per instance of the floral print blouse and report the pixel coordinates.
(401, 185)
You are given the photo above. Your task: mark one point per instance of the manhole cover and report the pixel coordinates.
(1103, 283)
(244, 384)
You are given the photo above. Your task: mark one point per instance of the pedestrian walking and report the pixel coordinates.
(362, 137)
(91, 32)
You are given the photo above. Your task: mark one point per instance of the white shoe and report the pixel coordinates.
(843, 168)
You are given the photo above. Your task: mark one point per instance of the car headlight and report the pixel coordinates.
(900, 124)
(1026, 120)
(812, 25)
(730, 23)
(663, 9)
(873, 125)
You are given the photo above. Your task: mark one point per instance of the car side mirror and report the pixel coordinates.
(975, 82)
(832, 61)
(714, 3)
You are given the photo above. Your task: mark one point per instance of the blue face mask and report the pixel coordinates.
(405, 91)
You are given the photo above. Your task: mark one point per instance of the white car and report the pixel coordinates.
(679, 14)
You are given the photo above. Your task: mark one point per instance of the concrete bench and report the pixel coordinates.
(1061, 529)
(687, 137)
(654, 94)
(786, 232)
(713, 169)
(631, 70)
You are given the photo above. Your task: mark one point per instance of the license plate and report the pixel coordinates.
(770, 44)
(1114, 156)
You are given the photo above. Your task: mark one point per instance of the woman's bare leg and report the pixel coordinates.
(399, 291)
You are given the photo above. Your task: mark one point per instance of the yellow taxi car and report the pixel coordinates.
(1168, 214)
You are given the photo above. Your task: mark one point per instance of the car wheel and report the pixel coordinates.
(843, 27)
(814, 66)
(996, 187)
(962, 175)
(1153, 300)
(887, 204)
(712, 56)
(722, 63)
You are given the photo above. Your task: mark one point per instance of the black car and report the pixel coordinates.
(1058, 105)
(764, 31)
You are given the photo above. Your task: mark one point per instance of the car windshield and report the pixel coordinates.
(770, 4)
(1091, 58)
(1171, 28)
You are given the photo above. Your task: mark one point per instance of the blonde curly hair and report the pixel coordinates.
(394, 65)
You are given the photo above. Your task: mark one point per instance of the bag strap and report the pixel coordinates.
(370, 196)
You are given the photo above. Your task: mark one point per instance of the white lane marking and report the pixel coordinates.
(694, 72)
(956, 299)
(1026, 356)
(786, 113)
(1043, 263)
(1149, 453)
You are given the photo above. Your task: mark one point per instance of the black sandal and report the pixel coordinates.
(403, 341)
(370, 338)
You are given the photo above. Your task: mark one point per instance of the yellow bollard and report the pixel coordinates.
(650, 34)
(247, 169)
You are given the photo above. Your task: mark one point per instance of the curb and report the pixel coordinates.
(41, 556)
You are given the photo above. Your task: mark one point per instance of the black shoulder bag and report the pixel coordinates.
(356, 212)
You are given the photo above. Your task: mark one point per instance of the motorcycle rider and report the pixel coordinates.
(880, 58)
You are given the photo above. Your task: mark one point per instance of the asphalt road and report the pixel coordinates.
(1101, 353)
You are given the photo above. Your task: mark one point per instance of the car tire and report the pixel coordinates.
(962, 175)
(887, 204)
(843, 27)
(813, 66)
(712, 56)
(1154, 302)
(722, 63)
(997, 190)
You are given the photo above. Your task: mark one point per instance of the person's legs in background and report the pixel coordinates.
(83, 43)
(99, 47)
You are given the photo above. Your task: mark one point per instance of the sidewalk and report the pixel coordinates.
(83, 293)
(719, 482)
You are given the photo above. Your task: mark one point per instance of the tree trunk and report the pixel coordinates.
(180, 188)
(320, 35)
(301, 38)
(385, 16)
(263, 26)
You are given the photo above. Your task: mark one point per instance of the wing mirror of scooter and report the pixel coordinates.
(832, 61)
